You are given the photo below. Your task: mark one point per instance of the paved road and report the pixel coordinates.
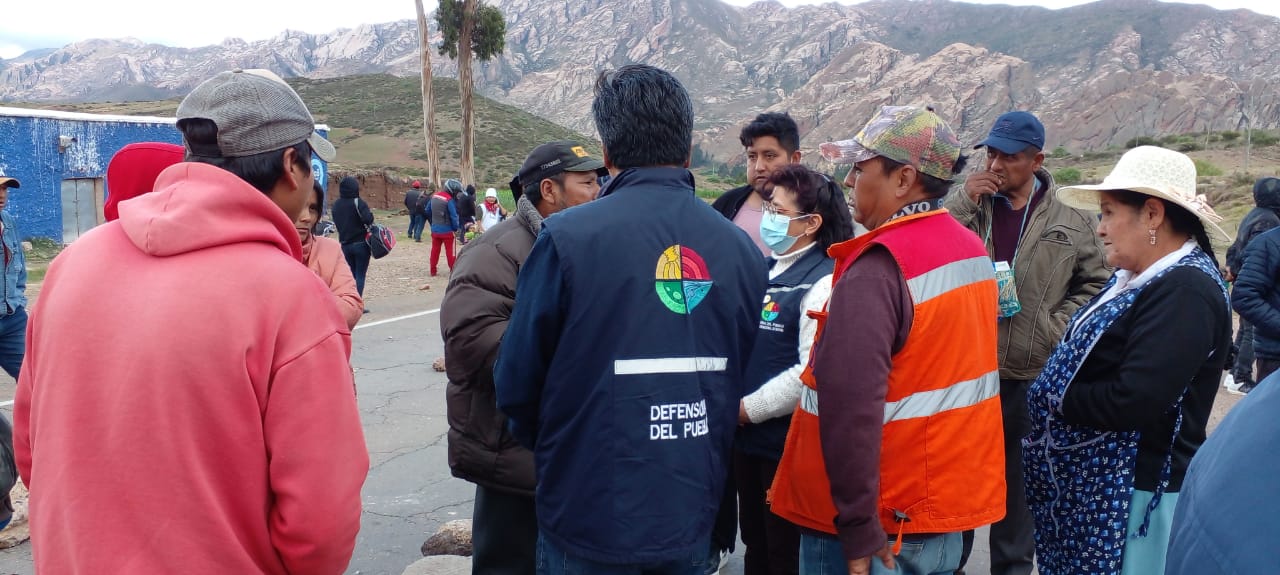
(409, 492)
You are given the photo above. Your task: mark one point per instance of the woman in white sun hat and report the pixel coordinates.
(1121, 406)
(491, 212)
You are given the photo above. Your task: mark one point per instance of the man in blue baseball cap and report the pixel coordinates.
(1049, 263)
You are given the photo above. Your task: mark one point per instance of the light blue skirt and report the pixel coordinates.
(1145, 555)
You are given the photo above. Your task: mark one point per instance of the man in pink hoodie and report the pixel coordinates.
(186, 405)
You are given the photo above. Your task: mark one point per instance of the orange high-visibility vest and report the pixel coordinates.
(942, 450)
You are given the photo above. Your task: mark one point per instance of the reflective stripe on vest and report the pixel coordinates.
(926, 403)
(942, 449)
(936, 282)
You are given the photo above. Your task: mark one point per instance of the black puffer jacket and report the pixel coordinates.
(1266, 196)
(350, 214)
(473, 318)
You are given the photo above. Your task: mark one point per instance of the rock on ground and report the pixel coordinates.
(453, 538)
(17, 531)
(440, 565)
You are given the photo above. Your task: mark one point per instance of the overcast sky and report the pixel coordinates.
(27, 25)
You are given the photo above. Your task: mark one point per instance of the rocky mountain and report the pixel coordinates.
(1098, 74)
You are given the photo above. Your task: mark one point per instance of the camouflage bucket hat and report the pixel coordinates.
(904, 134)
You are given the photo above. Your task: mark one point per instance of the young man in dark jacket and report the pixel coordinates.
(473, 317)
(772, 140)
(622, 366)
(1263, 217)
(417, 216)
(352, 217)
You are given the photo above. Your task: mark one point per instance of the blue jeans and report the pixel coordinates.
(13, 340)
(939, 554)
(416, 223)
(358, 254)
(553, 561)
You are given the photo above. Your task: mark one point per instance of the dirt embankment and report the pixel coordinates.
(383, 190)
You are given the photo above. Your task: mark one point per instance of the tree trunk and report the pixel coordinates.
(466, 87)
(428, 99)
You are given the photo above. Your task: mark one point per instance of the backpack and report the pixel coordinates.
(380, 239)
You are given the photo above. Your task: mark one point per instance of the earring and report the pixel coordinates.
(1152, 233)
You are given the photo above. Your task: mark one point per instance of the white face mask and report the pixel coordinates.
(774, 231)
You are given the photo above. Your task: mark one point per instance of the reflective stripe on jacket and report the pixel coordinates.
(942, 454)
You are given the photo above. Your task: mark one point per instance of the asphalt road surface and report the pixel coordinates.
(409, 492)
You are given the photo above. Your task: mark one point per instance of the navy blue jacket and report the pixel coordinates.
(777, 347)
(622, 367)
(1255, 295)
(1227, 517)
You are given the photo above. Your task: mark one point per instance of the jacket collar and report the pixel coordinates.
(528, 215)
(812, 257)
(649, 178)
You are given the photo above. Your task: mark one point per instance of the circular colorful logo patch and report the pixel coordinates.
(771, 310)
(683, 280)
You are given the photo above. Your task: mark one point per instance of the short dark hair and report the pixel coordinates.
(644, 117)
(534, 190)
(817, 194)
(778, 125)
(934, 187)
(261, 171)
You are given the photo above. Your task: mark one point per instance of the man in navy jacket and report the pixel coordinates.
(622, 364)
(1256, 297)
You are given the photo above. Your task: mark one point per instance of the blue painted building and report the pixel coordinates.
(61, 159)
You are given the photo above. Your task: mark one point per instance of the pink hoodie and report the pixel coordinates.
(186, 404)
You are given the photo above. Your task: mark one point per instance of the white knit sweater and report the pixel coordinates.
(778, 396)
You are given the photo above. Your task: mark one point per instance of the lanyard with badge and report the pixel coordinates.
(1009, 303)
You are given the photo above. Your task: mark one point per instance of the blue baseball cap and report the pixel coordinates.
(1013, 132)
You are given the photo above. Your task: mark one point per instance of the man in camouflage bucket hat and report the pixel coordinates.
(877, 374)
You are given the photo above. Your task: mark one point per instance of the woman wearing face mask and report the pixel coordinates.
(805, 214)
(324, 257)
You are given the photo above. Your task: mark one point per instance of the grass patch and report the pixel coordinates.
(1067, 177)
(1205, 168)
(43, 250)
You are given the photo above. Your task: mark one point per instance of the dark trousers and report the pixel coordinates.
(444, 240)
(773, 543)
(1242, 371)
(1013, 542)
(13, 340)
(504, 533)
(1267, 366)
(416, 224)
(358, 254)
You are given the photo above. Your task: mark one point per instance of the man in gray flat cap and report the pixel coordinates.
(187, 376)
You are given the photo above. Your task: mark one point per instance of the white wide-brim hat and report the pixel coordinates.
(1153, 171)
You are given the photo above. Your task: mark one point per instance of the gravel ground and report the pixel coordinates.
(404, 271)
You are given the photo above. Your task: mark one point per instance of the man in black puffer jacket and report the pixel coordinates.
(1263, 217)
(473, 318)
